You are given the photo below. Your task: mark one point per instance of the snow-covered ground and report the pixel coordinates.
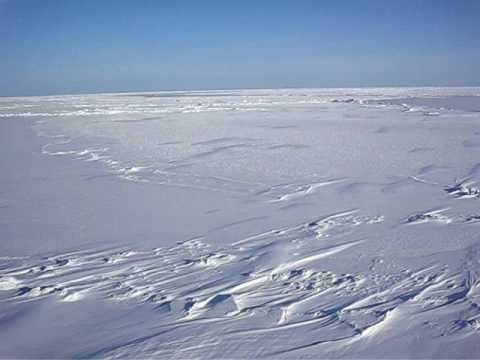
(241, 224)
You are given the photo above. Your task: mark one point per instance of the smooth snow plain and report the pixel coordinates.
(292, 223)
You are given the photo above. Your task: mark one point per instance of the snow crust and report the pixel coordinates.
(292, 223)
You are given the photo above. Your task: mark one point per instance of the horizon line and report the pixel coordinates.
(240, 89)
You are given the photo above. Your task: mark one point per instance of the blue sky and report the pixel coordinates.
(75, 46)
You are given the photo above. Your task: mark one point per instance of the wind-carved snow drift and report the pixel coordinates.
(270, 283)
(305, 238)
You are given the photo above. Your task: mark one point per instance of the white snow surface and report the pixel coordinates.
(292, 223)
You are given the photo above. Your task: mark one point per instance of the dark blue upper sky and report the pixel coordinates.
(71, 46)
